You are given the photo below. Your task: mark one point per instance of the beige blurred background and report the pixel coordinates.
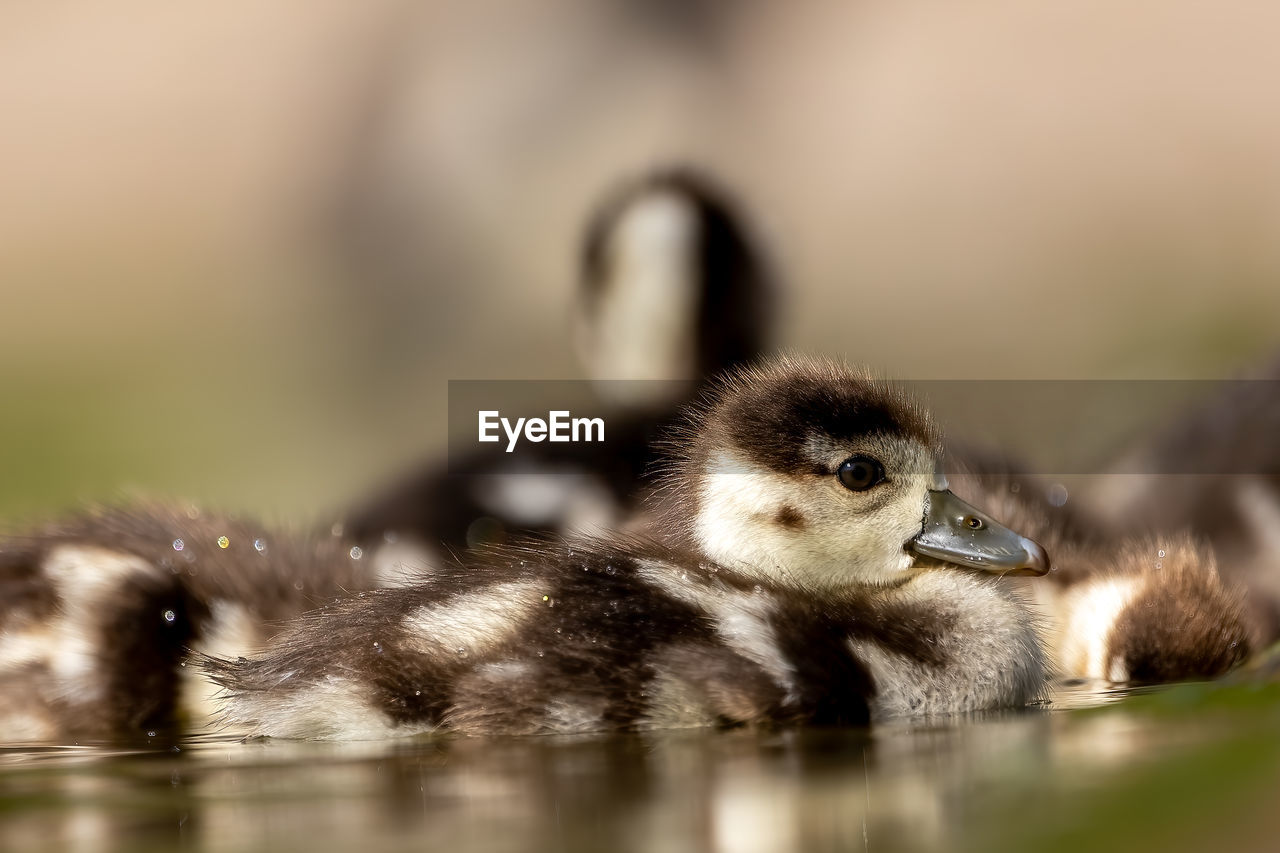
(244, 245)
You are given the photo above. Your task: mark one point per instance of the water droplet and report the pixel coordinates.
(182, 663)
(1160, 553)
(557, 630)
(223, 542)
(1159, 564)
(1057, 494)
(377, 647)
(417, 693)
(297, 585)
(546, 598)
(540, 653)
(178, 544)
(758, 588)
(170, 616)
(151, 734)
(356, 552)
(259, 545)
(462, 650)
(1015, 487)
(336, 530)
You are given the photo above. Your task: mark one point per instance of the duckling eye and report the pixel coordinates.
(974, 523)
(859, 473)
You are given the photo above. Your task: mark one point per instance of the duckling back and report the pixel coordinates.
(606, 638)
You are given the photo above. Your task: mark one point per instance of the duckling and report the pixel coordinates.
(1134, 608)
(98, 613)
(1213, 469)
(801, 577)
(1148, 611)
(810, 566)
(673, 290)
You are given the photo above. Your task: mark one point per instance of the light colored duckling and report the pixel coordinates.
(798, 581)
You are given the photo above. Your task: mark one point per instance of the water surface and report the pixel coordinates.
(1186, 768)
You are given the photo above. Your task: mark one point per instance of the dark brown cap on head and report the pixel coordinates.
(777, 409)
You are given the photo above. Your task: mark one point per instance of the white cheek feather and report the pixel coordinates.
(742, 620)
(473, 624)
(84, 578)
(734, 499)
(1089, 613)
(837, 546)
(645, 323)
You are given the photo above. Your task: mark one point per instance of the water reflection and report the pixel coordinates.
(990, 782)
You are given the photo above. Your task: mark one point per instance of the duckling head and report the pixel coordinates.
(819, 476)
(673, 288)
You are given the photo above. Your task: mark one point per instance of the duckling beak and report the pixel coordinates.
(961, 534)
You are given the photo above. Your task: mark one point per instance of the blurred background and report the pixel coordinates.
(244, 246)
